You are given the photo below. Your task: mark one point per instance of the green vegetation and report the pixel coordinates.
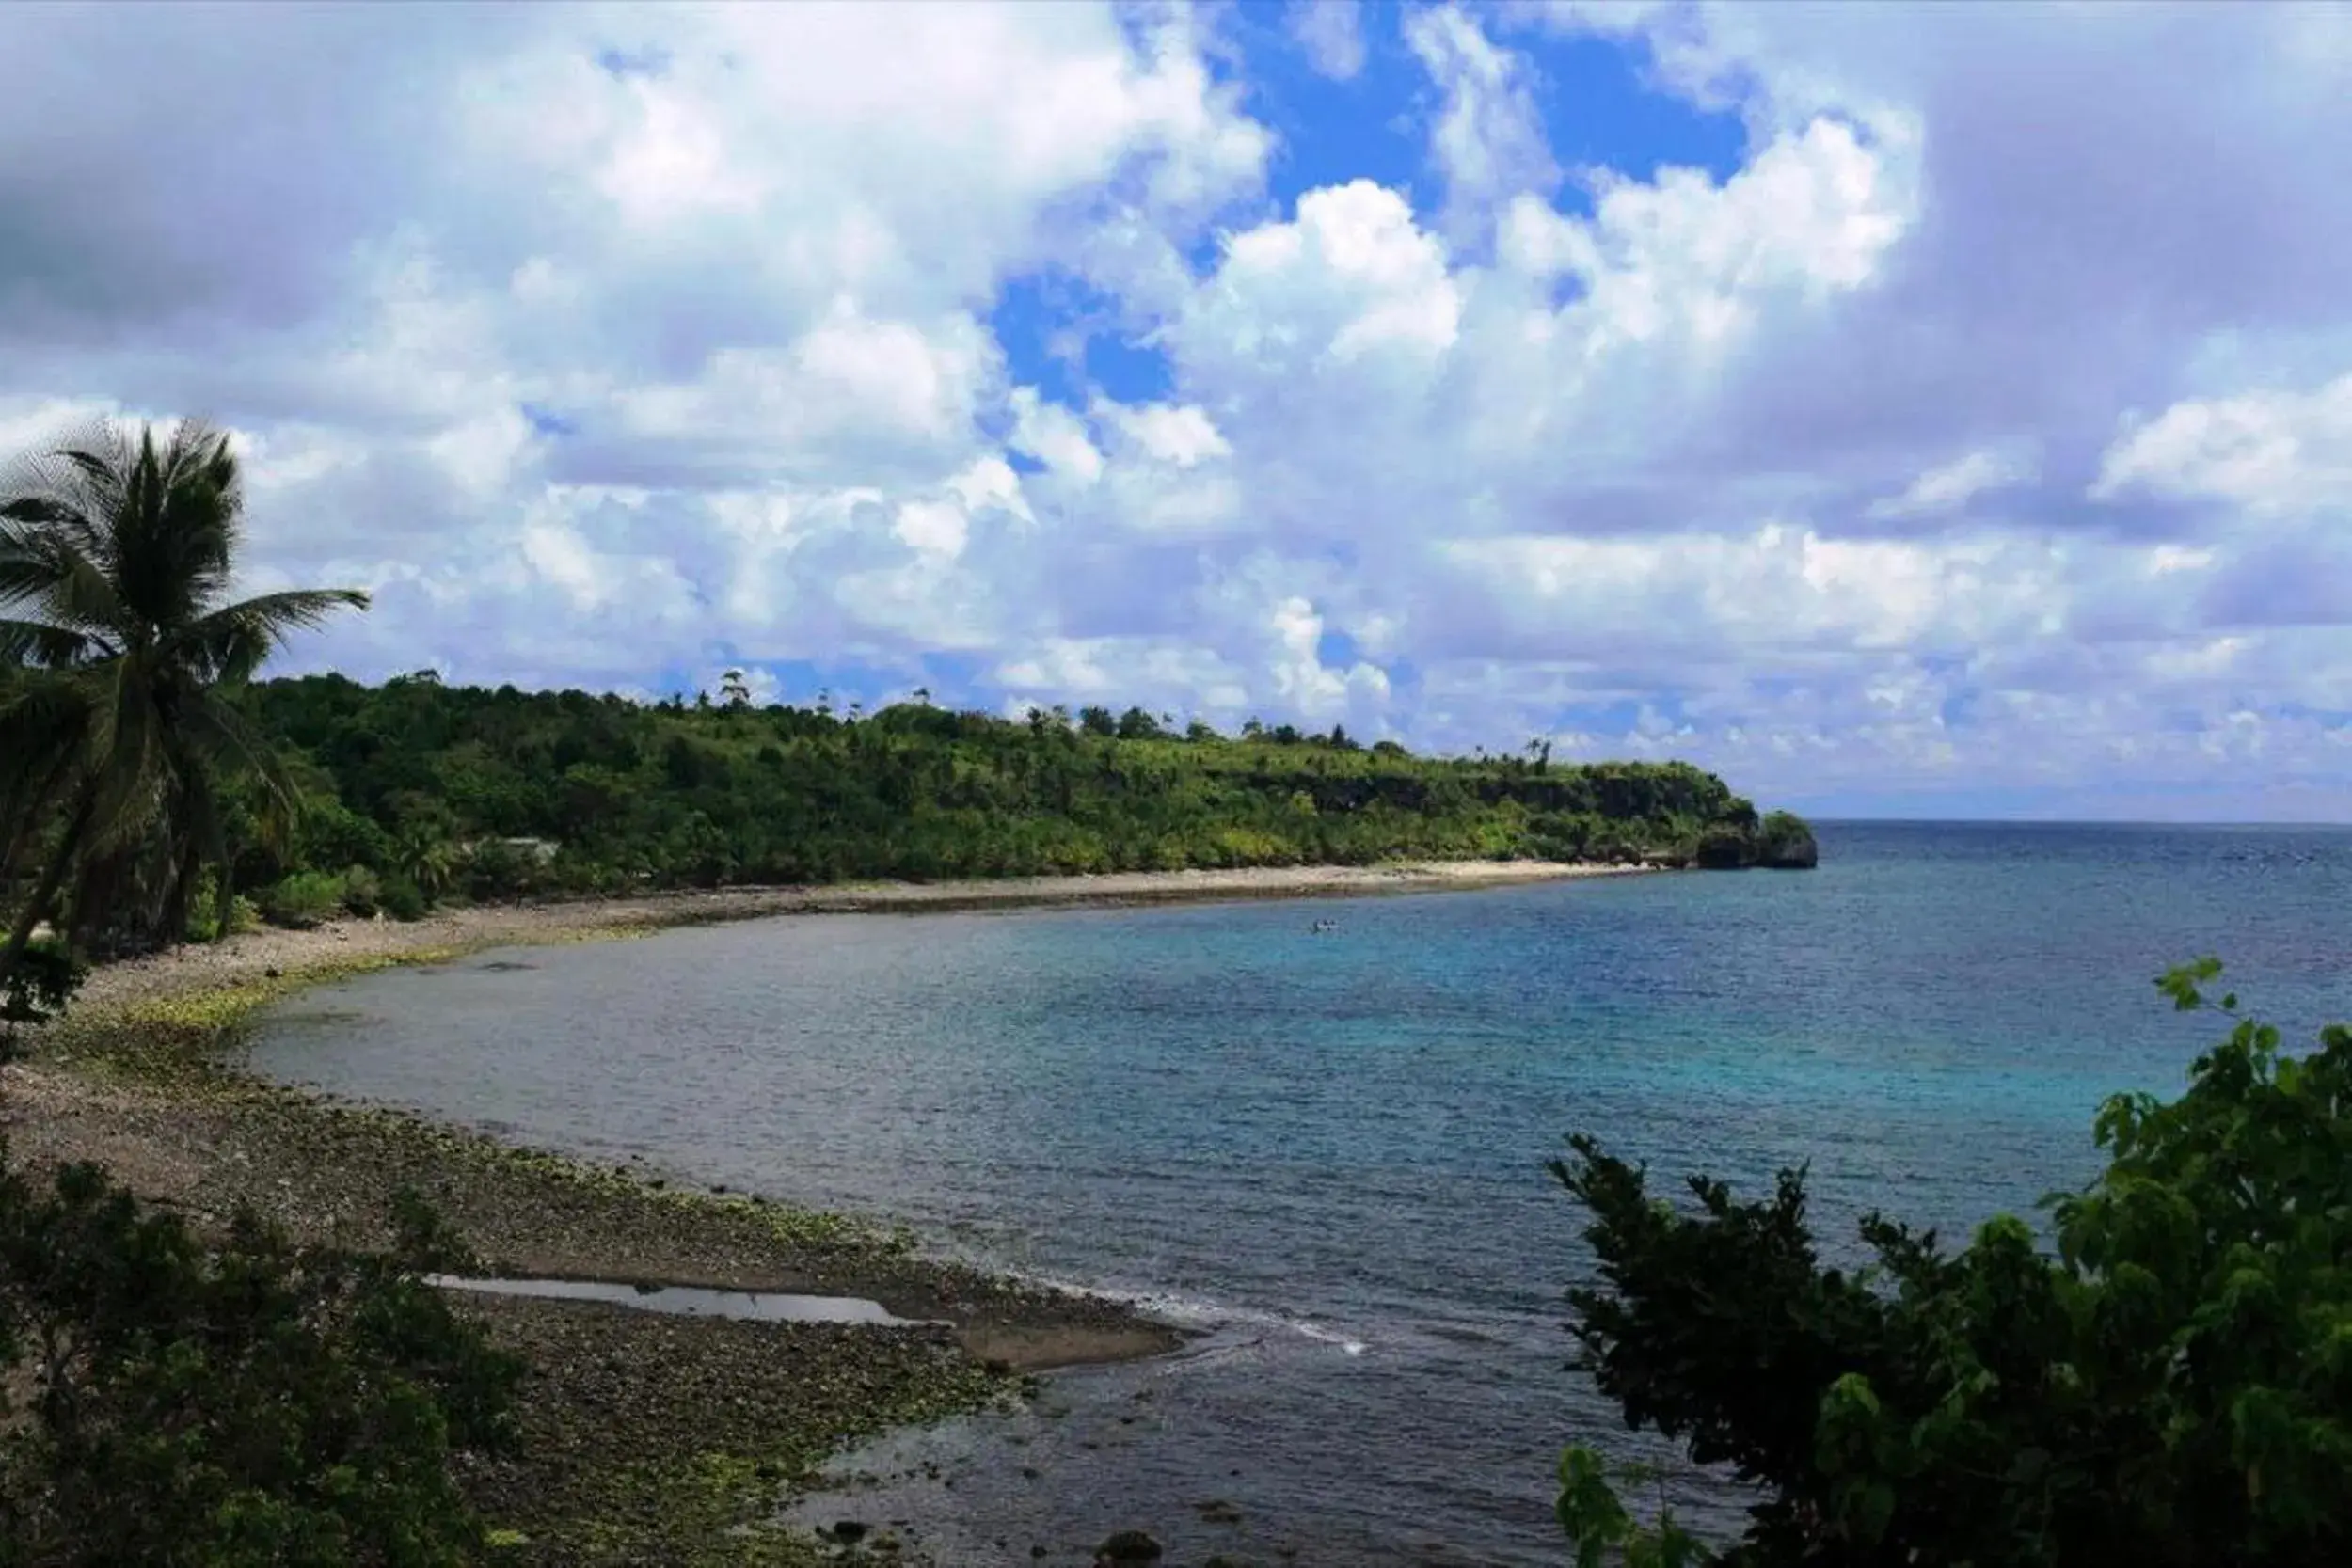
(120, 741)
(167, 1397)
(244, 1402)
(2170, 1384)
(431, 790)
(415, 792)
(36, 991)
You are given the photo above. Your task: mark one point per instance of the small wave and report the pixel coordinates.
(1194, 1311)
(1353, 1347)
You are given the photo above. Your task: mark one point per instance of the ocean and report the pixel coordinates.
(1324, 1149)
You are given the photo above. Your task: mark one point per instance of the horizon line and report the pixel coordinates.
(1847, 819)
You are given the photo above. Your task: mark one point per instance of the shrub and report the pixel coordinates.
(494, 869)
(203, 927)
(203, 905)
(45, 980)
(302, 900)
(402, 899)
(2171, 1385)
(254, 1402)
(362, 893)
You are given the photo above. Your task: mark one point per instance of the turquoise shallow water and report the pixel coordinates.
(1326, 1148)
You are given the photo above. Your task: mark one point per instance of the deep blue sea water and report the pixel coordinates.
(1327, 1149)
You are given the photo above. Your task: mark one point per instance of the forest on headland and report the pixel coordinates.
(706, 794)
(414, 791)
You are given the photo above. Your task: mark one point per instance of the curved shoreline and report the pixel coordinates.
(652, 1437)
(250, 956)
(646, 1437)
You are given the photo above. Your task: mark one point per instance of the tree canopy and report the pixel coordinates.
(170, 1401)
(421, 786)
(2165, 1379)
(117, 553)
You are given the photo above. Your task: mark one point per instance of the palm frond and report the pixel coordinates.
(36, 510)
(195, 811)
(79, 485)
(190, 519)
(45, 559)
(172, 554)
(226, 742)
(47, 647)
(44, 724)
(230, 643)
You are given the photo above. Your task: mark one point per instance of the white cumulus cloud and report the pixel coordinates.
(1948, 428)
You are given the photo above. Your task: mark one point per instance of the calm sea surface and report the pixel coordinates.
(1326, 1149)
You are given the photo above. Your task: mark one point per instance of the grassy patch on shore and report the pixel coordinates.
(192, 1032)
(180, 1039)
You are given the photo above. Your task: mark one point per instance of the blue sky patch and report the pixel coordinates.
(1071, 340)
(1373, 126)
(650, 61)
(546, 422)
(1600, 110)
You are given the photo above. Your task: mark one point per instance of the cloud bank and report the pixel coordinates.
(1972, 431)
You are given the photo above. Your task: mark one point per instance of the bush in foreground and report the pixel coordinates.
(249, 1402)
(37, 989)
(2173, 1386)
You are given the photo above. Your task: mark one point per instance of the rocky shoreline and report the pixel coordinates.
(650, 1439)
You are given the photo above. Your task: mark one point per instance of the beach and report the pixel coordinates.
(250, 954)
(648, 1436)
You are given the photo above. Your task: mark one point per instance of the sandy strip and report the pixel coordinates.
(253, 954)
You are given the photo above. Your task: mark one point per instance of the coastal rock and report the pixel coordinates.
(1785, 843)
(1725, 849)
(1129, 1548)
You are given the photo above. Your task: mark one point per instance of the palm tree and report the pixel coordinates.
(40, 719)
(116, 552)
(426, 859)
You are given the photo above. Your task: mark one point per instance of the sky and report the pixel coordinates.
(1938, 410)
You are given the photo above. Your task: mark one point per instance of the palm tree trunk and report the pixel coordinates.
(171, 921)
(225, 898)
(37, 908)
(79, 896)
(103, 890)
(35, 804)
(19, 840)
